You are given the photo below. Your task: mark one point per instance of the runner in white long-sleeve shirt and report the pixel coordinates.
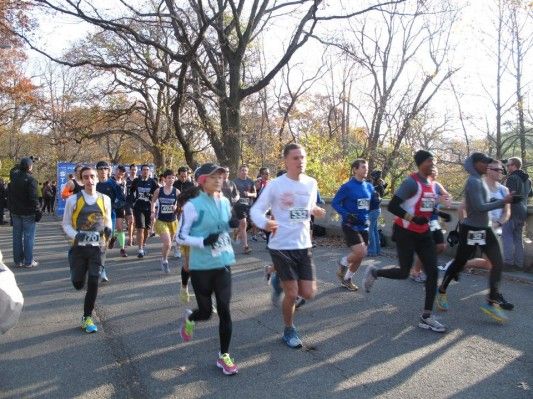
(292, 200)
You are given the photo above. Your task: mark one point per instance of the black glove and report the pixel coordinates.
(352, 219)
(445, 216)
(211, 239)
(38, 215)
(420, 220)
(517, 199)
(107, 232)
(234, 222)
(80, 237)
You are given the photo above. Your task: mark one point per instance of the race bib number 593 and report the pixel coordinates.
(298, 214)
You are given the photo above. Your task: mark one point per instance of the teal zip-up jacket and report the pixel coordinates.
(201, 216)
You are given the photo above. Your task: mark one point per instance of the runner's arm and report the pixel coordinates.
(261, 206)
(188, 216)
(338, 199)
(155, 197)
(69, 230)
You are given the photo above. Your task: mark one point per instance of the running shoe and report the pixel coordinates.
(442, 301)
(19, 264)
(31, 265)
(247, 250)
(369, 277)
(187, 327)
(290, 337)
(342, 272)
(164, 266)
(494, 311)
(103, 275)
(225, 362)
(111, 243)
(123, 253)
(177, 253)
(152, 234)
(430, 323)
(254, 238)
(500, 300)
(184, 294)
(268, 273)
(419, 278)
(299, 302)
(275, 282)
(445, 266)
(349, 285)
(87, 325)
(140, 254)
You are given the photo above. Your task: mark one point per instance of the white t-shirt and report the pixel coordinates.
(499, 193)
(291, 202)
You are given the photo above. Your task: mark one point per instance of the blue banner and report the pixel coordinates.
(63, 170)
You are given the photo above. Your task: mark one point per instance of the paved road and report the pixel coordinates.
(356, 345)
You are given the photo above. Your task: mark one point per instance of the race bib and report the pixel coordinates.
(223, 244)
(434, 225)
(167, 208)
(427, 204)
(92, 238)
(298, 214)
(476, 237)
(363, 203)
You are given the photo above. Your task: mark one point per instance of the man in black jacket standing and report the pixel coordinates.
(24, 205)
(3, 200)
(518, 182)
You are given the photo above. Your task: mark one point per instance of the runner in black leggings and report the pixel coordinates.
(475, 231)
(204, 226)
(413, 204)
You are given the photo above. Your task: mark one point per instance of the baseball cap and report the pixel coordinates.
(208, 169)
(480, 157)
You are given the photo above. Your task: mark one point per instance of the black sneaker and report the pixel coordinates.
(500, 300)
(112, 242)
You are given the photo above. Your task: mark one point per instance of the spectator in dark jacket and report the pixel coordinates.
(519, 184)
(24, 205)
(3, 200)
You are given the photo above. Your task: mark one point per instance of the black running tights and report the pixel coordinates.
(205, 283)
(464, 252)
(90, 296)
(407, 244)
(184, 277)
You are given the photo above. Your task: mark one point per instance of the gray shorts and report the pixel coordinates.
(293, 264)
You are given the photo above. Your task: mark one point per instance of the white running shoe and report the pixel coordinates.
(446, 265)
(369, 278)
(177, 253)
(430, 323)
(103, 276)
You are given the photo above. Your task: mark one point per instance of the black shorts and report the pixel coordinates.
(120, 213)
(352, 237)
(242, 211)
(83, 260)
(293, 264)
(128, 210)
(438, 236)
(142, 218)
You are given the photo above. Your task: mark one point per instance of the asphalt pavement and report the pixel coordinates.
(356, 345)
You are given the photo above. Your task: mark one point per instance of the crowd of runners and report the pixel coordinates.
(202, 217)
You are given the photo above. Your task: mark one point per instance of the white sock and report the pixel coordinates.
(349, 274)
